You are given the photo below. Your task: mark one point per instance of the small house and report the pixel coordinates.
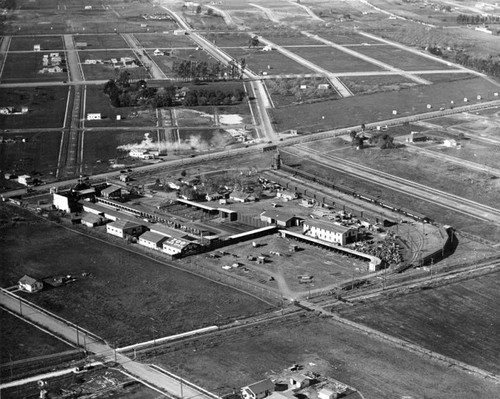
(287, 195)
(29, 284)
(300, 381)
(258, 390)
(240, 196)
(93, 116)
(36, 47)
(450, 143)
(323, 86)
(158, 52)
(25, 180)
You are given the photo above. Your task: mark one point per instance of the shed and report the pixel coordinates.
(123, 228)
(152, 240)
(92, 220)
(112, 192)
(300, 381)
(29, 284)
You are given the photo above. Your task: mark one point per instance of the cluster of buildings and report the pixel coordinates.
(122, 62)
(13, 110)
(52, 63)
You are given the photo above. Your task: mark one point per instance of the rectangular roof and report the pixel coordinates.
(91, 218)
(262, 386)
(27, 280)
(283, 216)
(152, 237)
(323, 224)
(124, 224)
(111, 189)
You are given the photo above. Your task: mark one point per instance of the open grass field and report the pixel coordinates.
(97, 101)
(46, 107)
(353, 111)
(446, 77)
(287, 38)
(26, 43)
(103, 41)
(460, 320)
(125, 295)
(483, 124)
(345, 37)
(401, 58)
(258, 60)
(101, 146)
(98, 72)
(228, 39)
(375, 368)
(375, 84)
(334, 60)
(163, 41)
(21, 340)
(25, 67)
(39, 153)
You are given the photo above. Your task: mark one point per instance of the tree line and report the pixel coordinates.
(477, 19)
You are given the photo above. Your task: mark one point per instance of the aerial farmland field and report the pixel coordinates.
(374, 367)
(374, 84)
(459, 320)
(38, 153)
(107, 41)
(26, 43)
(334, 60)
(163, 41)
(46, 107)
(96, 301)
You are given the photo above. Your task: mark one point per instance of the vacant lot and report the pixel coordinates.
(163, 41)
(47, 43)
(459, 320)
(346, 38)
(272, 62)
(289, 91)
(334, 60)
(375, 84)
(25, 67)
(103, 41)
(97, 101)
(401, 58)
(360, 109)
(98, 72)
(377, 369)
(125, 295)
(38, 153)
(446, 77)
(46, 107)
(289, 38)
(100, 147)
(21, 340)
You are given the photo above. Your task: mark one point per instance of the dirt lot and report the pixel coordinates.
(118, 284)
(46, 107)
(21, 340)
(39, 153)
(459, 320)
(376, 368)
(334, 60)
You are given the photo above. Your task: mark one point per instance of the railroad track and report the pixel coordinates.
(417, 190)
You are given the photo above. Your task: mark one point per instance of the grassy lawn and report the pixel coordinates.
(334, 60)
(376, 368)
(98, 72)
(39, 153)
(21, 340)
(47, 43)
(459, 320)
(375, 84)
(46, 107)
(126, 295)
(25, 67)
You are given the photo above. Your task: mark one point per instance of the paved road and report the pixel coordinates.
(73, 61)
(101, 351)
(136, 47)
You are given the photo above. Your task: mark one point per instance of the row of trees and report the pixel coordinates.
(477, 19)
(490, 65)
(208, 71)
(212, 97)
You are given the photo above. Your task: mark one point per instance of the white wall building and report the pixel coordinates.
(330, 232)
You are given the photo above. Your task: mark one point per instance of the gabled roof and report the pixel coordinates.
(27, 280)
(124, 224)
(152, 237)
(92, 218)
(111, 189)
(261, 386)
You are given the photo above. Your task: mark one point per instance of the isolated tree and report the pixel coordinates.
(210, 11)
(198, 9)
(253, 42)
(353, 134)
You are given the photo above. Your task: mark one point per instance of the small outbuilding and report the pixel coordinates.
(124, 228)
(29, 284)
(152, 240)
(92, 220)
(258, 390)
